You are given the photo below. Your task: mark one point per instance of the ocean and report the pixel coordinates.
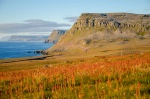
(21, 49)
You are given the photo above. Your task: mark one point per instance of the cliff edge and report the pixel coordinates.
(55, 36)
(94, 30)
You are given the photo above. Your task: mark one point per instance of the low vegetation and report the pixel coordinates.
(119, 77)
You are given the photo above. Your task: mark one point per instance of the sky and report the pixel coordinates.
(40, 17)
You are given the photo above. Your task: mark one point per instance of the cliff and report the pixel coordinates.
(93, 30)
(27, 38)
(55, 36)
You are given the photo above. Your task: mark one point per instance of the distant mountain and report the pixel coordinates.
(28, 38)
(98, 30)
(6, 38)
(55, 36)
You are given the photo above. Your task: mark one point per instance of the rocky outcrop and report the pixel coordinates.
(95, 28)
(55, 36)
(112, 20)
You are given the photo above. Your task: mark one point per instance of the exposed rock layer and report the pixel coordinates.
(95, 28)
(55, 36)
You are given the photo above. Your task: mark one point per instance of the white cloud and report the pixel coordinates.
(71, 19)
(32, 25)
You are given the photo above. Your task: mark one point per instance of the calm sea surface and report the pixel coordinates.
(21, 49)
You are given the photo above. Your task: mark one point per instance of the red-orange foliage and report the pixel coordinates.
(61, 77)
(106, 66)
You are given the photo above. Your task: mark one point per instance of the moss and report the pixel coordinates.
(141, 33)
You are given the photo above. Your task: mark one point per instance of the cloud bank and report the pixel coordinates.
(32, 25)
(71, 19)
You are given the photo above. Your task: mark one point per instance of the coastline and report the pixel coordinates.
(22, 49)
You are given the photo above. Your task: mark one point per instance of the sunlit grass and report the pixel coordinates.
(100, 77)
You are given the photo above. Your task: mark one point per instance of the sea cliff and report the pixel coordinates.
(94, 30)
(55, 36)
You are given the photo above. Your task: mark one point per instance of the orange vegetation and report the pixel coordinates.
(96, 78)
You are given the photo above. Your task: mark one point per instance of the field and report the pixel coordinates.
(99, 77)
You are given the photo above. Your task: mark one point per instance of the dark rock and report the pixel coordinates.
(29, 52)
(39, 52)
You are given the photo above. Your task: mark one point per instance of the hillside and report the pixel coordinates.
(55, 36)
(105, 32)
(27, 38)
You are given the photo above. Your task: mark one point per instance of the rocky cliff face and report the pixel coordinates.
(55, 36)
(120, 20)
(95, 28)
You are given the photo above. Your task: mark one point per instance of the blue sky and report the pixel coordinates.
(40, 17)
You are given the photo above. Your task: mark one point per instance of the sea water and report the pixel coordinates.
(21, 49)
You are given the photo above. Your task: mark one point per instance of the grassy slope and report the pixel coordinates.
(104, 49)
(76, 37)
(107, 49)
